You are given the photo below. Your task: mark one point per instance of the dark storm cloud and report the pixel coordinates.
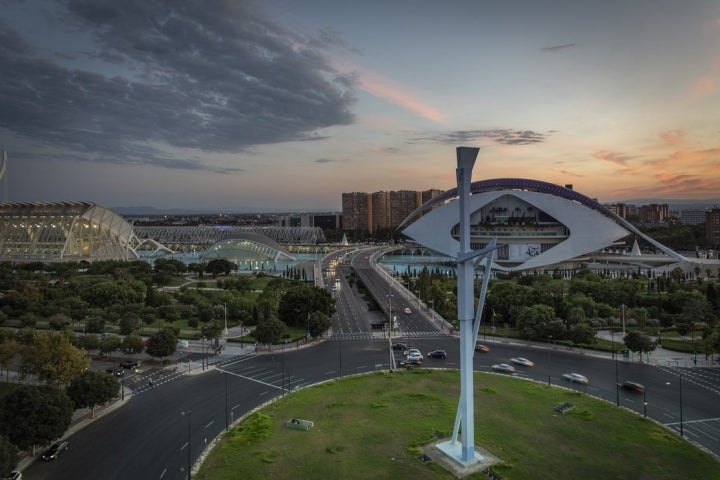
(502, 136)
(211, 75)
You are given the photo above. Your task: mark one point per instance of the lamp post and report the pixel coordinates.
(622, 308)
(187, 414)
(682, 433)
(432, 309)
(225, 314)
(390, 319)
(617, 386)
(226, 401)
(548, 359)
(645, 402)
(417, 292)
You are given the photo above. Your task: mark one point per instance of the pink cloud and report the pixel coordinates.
(673, 137)
(387, 89)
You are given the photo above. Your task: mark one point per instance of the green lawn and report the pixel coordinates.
(373, 427)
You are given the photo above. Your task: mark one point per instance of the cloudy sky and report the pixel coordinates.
(282, 105)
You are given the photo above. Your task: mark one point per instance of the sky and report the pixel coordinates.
(283, 105)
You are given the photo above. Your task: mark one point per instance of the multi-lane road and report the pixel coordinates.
(166, 426)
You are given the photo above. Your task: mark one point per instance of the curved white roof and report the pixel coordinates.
(560, 225)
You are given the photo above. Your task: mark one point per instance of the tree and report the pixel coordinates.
(8, 456)
(581, 334)
(129, 323)
(8, 350)
(35, 415)
(532, 321)
(91, 389)
(639, 342)
(212, 329)
(220, 265)
(319, 323)
(53, 358)
(269, 331)
(132, 344)
(162, 344)
(109, 344)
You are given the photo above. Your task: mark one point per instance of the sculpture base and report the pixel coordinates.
(448, 454)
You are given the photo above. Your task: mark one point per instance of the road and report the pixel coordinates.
(153, 437)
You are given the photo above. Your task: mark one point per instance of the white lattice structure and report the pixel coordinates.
(186, 238)
(67, 231)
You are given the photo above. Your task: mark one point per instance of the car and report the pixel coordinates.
(522, 361)
(412, 351)
(575, 378)
(414, 357)
(130, 365)
(117, 371)
(481, 348)
(55, 450)
(503, 367)
(438, 354)
(632, 386)
(14, 475)
(399, 346)
(408, 311)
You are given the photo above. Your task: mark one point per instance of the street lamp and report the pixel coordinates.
(390, 319)
(417, 292)
(622, 308)
(617, 386)
(226, 401)
(225, 313)
(645, 402)
(187, 414)
(432, 309)
(681, 404)
(548, 355)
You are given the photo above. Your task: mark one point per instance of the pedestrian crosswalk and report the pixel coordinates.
(380, 334)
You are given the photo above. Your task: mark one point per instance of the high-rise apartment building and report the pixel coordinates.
(357, 211)
(370, 211)
(402, 204)
(380, 211)
(654, 213)
(712, 227)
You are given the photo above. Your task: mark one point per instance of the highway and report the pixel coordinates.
(153, 437)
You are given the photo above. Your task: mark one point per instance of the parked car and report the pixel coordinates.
(575, 378)
(481, 348)
(522, 361)
(632, 386)
(408, 311)
(117, 371)
(399, 346)
(438, 354)
(503, 367)
(55, 450)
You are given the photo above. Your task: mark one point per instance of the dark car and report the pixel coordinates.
(130, 364)
(55, 450)
(399, 346)
(632, 386)
(437, 354)
(117, 371)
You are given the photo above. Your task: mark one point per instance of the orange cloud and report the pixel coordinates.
(703, 87)
(386, 89)
(673, 137)
(612, 157)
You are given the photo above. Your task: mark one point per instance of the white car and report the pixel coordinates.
(575, 378)
(414, 357)
(522, 361)
(412, 351)
(503, 367)
(408, 311)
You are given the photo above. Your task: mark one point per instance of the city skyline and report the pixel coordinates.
(283, 106)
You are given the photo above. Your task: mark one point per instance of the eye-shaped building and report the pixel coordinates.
(539, 225)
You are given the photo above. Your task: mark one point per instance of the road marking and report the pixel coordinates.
(163, 473)
(183, 447)
(206, 426)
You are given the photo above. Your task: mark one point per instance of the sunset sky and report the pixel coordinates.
(282, 105)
